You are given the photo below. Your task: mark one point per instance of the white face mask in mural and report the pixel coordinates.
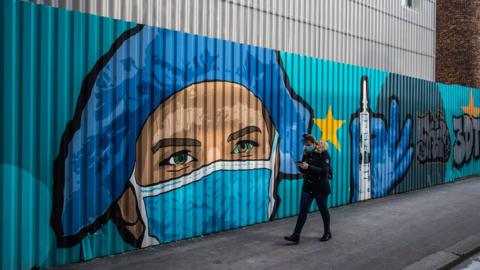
(219, 196)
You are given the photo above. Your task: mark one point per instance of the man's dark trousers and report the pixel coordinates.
(305, 203)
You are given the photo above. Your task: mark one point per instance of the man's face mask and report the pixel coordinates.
(219, 196)
(309, 148)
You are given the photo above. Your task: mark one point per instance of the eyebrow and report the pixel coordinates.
(175, 142)
(243, 132)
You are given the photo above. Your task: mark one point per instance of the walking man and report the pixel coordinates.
(317, 171)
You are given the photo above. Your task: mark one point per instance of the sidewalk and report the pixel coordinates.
(472, 263)
(388, 233)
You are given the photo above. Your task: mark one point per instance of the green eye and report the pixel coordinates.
(179, 158)
(244, 147)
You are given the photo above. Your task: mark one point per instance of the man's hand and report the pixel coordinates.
(303, 165)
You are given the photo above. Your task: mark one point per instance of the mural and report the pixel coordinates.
(415, 109)
(433, 142)
(381, 151)
(151, 136)
(196, 124)
(467, 134)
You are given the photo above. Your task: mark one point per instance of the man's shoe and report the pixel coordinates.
(326, 237)
(292, 238)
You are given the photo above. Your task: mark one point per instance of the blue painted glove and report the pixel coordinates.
(390, 151)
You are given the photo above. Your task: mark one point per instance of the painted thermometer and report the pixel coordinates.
(364, 164)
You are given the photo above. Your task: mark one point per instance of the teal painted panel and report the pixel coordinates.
(40, 86)
(462, 103)
(334, 87)
(118, 136)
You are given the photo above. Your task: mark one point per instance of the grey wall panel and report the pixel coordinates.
(376, 34)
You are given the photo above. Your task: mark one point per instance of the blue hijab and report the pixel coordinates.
(144, 70)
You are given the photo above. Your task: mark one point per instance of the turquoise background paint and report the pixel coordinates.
(327, 84)
(455, 97)
(40, 85)
(45, 56)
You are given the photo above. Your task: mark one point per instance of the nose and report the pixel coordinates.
(214, 153)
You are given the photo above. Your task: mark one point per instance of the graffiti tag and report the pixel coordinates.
(467, 139)
(433, 139)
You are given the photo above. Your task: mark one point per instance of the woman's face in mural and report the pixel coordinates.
(204, 123)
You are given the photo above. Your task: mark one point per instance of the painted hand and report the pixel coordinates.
(391, 153)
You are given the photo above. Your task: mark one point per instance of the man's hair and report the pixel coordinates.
(309, 138)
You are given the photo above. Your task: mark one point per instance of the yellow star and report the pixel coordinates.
(329, 127)
(471, 109)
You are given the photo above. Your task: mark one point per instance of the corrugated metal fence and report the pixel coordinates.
(117, 136)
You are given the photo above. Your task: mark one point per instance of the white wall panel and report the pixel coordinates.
(378, 34)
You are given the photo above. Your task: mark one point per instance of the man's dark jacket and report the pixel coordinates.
(316, 178)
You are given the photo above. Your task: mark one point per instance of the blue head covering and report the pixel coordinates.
(144, 71)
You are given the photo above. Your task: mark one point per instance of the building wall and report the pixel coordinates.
(376, 34)
(81, 94)
(458, 42)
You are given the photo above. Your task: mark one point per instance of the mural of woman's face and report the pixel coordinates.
(202, 124)
(210, 129)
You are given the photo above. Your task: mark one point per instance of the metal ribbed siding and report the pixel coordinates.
(375, 34)
(43, 64)
(46, 56)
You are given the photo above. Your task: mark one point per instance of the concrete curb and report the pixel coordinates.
(449, 257)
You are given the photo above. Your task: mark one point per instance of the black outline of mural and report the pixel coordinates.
(58, 165)
(112, 212)
(283, 176)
